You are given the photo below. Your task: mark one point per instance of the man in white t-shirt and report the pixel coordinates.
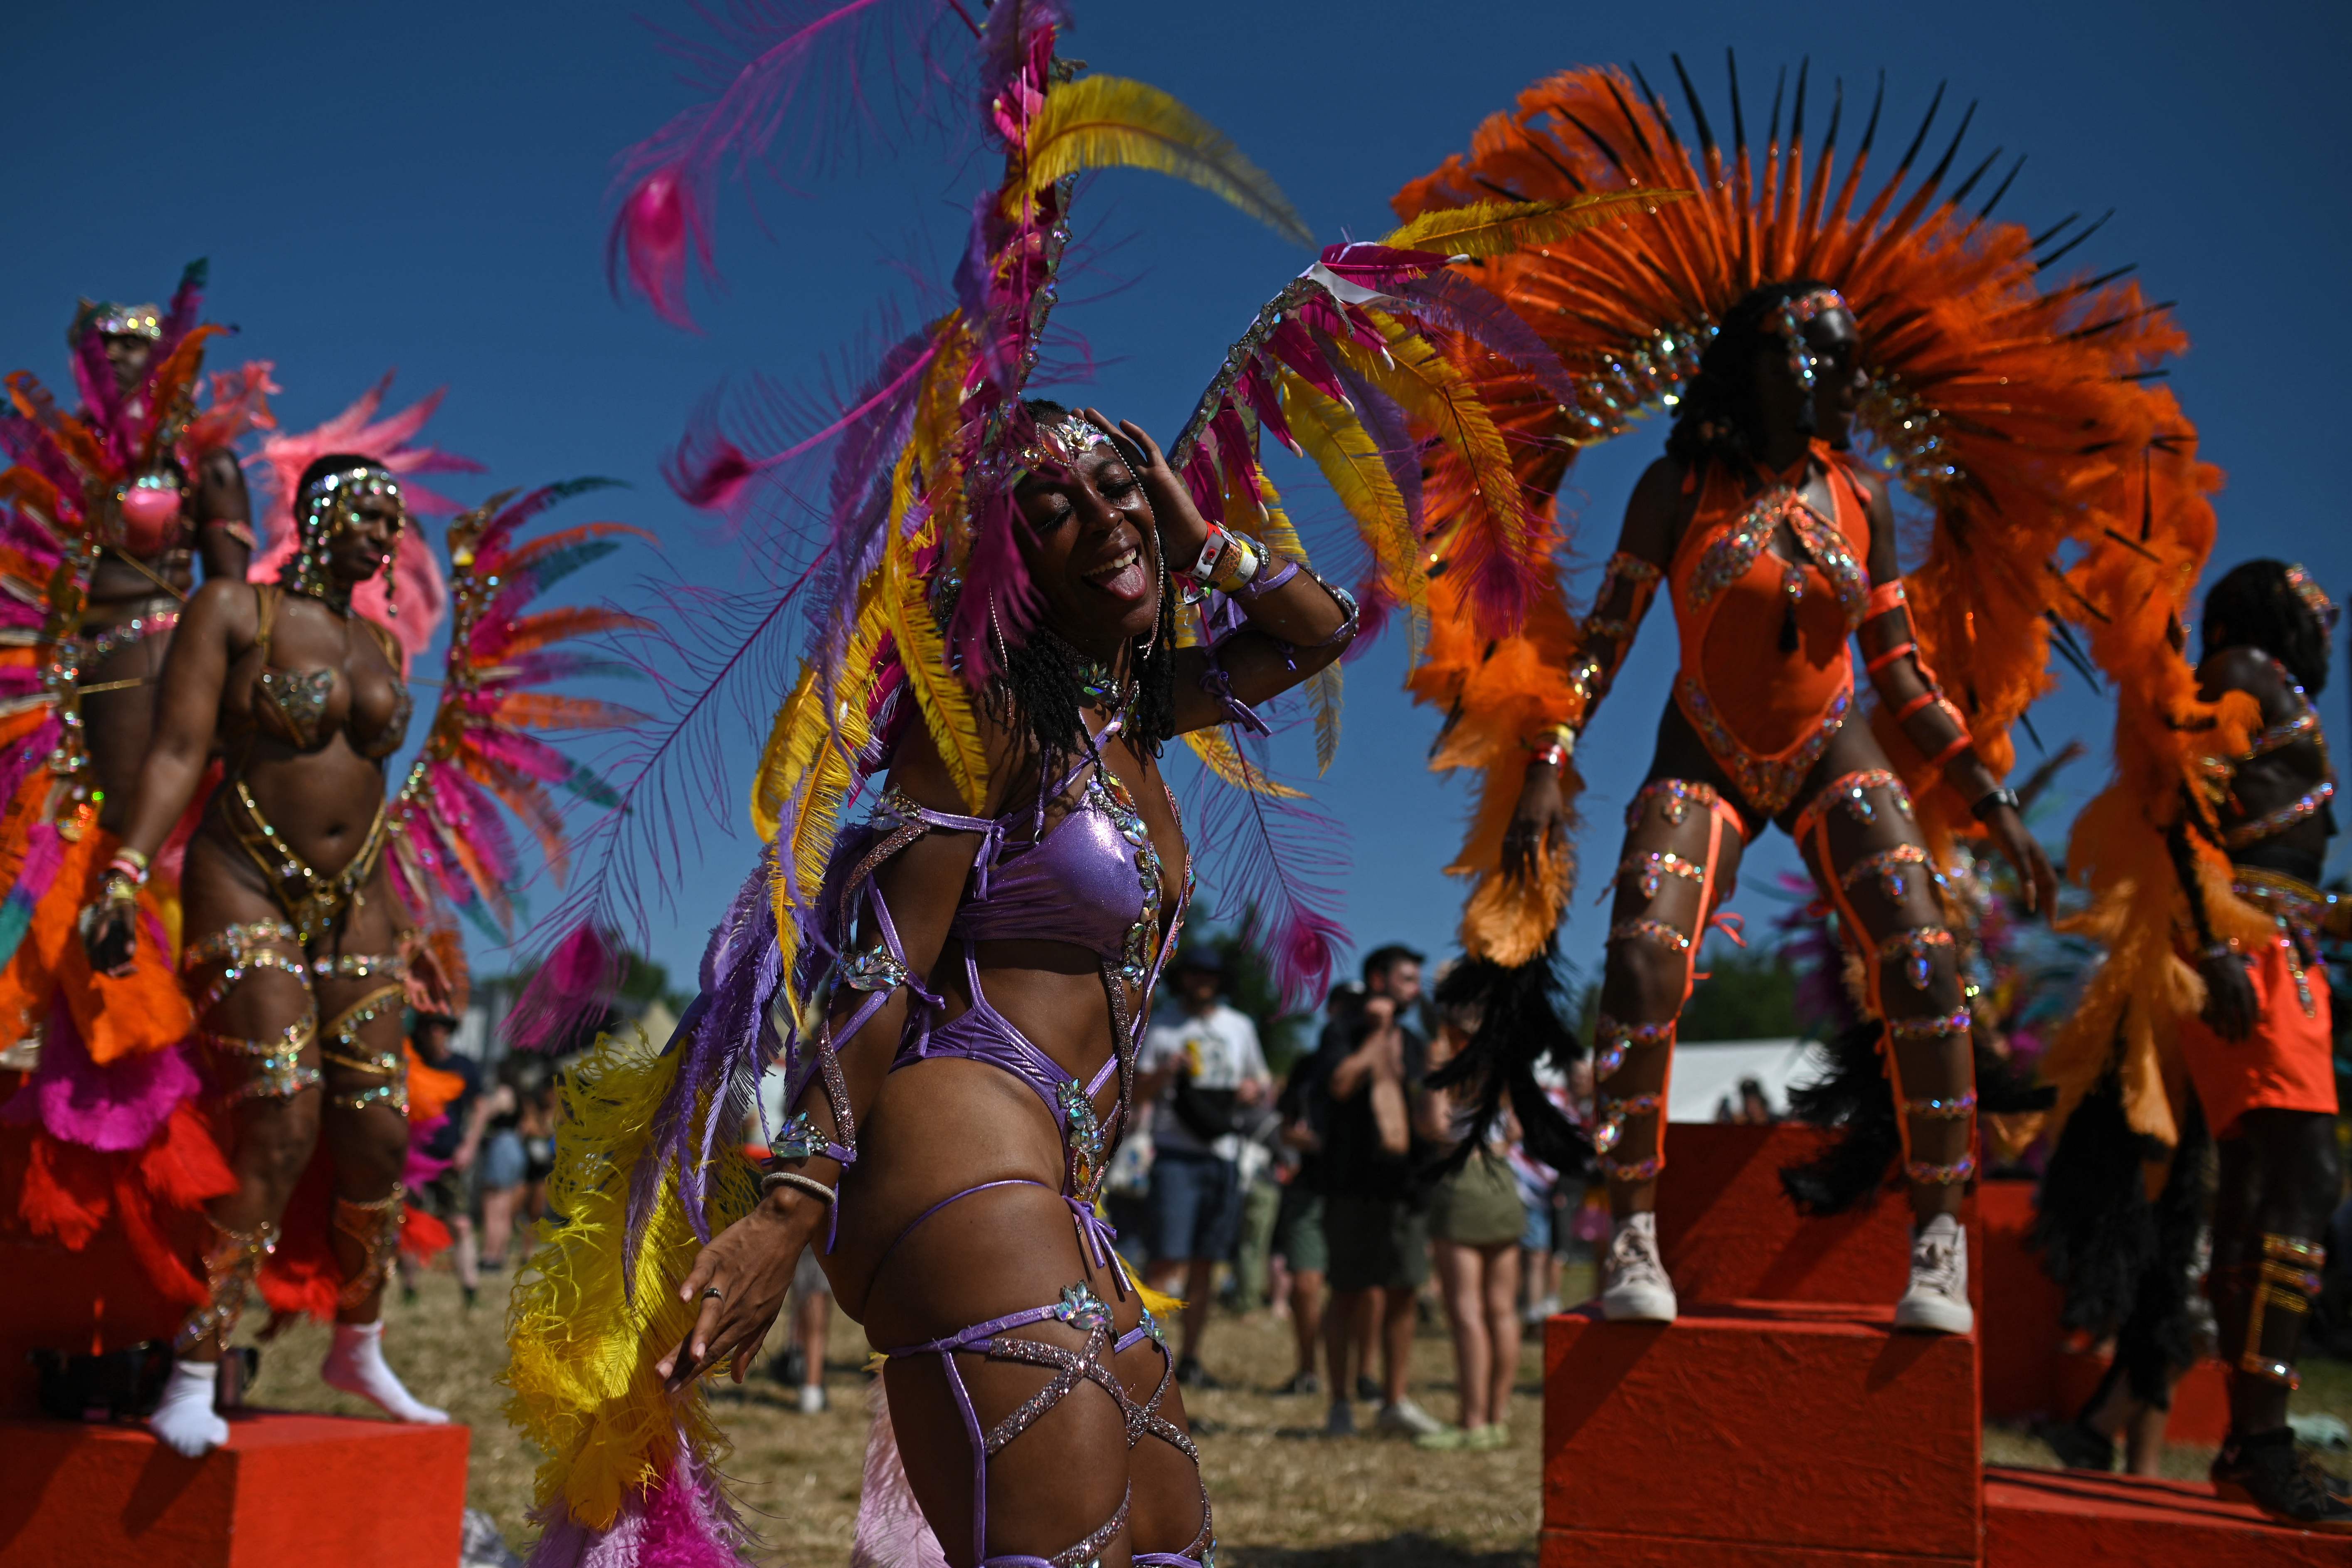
(1201, 1065)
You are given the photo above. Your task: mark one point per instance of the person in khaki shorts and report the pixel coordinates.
(1477, 1218)
(1375, 1219)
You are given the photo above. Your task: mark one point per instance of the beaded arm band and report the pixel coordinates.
(1934, 724)
(1628, 585)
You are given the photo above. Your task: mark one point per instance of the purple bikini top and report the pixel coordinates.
(1091, 878)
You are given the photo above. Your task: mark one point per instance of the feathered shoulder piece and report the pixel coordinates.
(451, 853)
(411, 598)
(2017, 409)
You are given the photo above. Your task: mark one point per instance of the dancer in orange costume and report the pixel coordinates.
(1776, 321)
(2222, 1020)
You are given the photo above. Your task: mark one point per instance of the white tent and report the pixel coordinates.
(1709, 1072)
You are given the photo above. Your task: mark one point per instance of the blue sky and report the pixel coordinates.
(422, 185)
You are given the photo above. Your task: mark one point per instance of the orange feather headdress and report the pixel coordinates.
(2066, 497)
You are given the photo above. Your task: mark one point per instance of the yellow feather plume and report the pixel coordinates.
(1222, 757)
(1110, 122)
(939, 693)
(581, 1338)
(1265, 518)
(1440, 398)
(809, 768)
(1500, 228)
(1349, 461)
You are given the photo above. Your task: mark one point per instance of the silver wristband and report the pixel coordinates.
(809, 1185)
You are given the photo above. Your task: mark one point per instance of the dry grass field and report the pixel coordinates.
(1285, 1496)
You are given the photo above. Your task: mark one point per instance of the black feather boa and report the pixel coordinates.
(1522, 1020)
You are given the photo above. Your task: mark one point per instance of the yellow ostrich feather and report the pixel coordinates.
(1433, 391)
(939, 693)
(1263, 516)
(1112, 122)
(585, 1325)
(809, 768)
(1222, 757)
(1500, 228)
(1349, 461)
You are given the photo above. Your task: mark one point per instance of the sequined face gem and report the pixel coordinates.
(1794, 314)
(2315, 598)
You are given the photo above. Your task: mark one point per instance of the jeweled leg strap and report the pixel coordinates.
(375, 1225)
(1081, 1309)
(1652, 871)
(2287, 1279)
(1916, 948)
(343, 1047)
(274, 1068)
(230, 1264)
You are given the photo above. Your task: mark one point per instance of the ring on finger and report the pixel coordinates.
(713, 1293)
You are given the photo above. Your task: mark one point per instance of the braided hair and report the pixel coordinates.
(1038, 685)
(1718, 417)
(2256, 604)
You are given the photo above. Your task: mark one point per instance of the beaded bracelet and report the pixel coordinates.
(809, 1185)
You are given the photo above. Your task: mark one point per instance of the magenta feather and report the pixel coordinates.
(112, 1109)
(660, 221)
(772, 63)
(891, 1530)
(576, 983)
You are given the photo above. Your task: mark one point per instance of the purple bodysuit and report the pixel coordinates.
(1091, 879)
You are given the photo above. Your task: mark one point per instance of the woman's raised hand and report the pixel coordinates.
(1183, 529)
(741, 1280)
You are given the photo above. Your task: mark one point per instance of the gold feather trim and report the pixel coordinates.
(1110, 122)
(1222, 757)
(1499, 228)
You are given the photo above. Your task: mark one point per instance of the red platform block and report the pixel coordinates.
(2064, 1519)
(74, 1303)
(2200, 1400)
(2022, 1305)
(1766, 1434)
(289, 1491)
(1730, 1234)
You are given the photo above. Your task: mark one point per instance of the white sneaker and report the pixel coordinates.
(812, 1399)
(1408, 1419)
(1938, 1299)
(1636, 1290)
(1536, 1311)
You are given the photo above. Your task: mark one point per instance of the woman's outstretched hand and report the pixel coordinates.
(1540, 820)
(741, 1280)
(2023, 852)
(110, 937)
(1183, 529)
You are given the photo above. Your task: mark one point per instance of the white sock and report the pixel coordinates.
(185, 1420)
(356, 1365)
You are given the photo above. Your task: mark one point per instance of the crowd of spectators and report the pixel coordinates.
(1320, 1199)
(490, 1155)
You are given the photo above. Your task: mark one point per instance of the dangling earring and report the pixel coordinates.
(1152, 641)
(392, 577)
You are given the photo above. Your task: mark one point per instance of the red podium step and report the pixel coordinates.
(1730, 1234)
(2064, 1519)
(289, 1491)
(1759, 1433)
